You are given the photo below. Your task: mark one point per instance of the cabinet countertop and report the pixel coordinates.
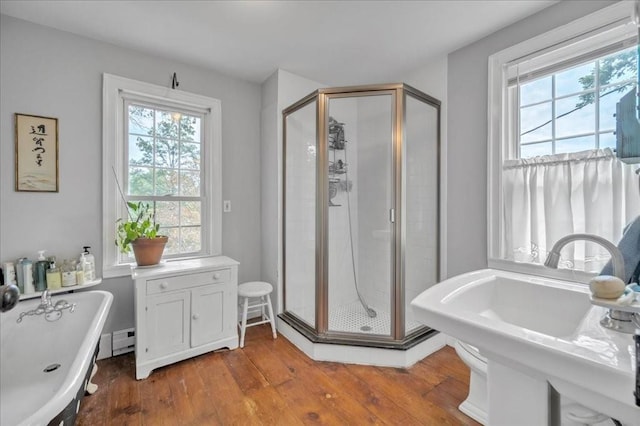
(181, 266)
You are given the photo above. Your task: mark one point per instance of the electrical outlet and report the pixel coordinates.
(226, 206)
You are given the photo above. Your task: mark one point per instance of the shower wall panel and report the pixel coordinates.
(300, 213)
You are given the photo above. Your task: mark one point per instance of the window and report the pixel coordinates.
(553, 138)
(161, 147)
(574, 109)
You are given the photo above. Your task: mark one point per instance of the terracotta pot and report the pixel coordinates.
(148, 251)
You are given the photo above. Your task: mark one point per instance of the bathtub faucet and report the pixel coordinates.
(51, 312)
(9, 297)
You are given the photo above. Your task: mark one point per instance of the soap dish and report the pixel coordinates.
(626, 303)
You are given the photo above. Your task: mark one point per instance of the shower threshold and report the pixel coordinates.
(365, 349)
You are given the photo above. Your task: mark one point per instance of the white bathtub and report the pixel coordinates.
(28, 395)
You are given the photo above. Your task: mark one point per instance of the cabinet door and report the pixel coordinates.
(168, 323)
(207, 314)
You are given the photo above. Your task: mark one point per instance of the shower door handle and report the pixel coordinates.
(392, 215)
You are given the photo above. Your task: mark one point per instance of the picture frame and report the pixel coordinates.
(36, 153)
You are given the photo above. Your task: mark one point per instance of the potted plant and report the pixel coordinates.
(140, 232)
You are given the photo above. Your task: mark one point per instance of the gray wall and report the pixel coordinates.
(57, 74)
(467, 131)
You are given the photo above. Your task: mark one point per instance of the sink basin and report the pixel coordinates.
(544, 328)
(546, 307)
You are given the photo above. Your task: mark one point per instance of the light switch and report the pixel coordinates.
(226, 206)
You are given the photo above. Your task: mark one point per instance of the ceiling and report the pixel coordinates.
(332, 42)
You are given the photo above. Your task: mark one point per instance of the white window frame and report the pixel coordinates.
(114, 146)
(501, 121)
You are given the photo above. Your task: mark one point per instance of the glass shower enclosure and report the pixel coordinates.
(361, 213)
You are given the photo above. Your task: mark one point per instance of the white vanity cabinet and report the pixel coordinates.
(184, 309)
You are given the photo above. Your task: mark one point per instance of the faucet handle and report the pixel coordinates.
(45, 299)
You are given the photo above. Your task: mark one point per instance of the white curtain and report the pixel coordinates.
(548, 197)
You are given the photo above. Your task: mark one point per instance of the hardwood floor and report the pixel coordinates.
(270, 382)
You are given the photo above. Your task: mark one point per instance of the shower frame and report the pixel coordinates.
(320, 333)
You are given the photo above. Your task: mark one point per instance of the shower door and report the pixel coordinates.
(358, 149)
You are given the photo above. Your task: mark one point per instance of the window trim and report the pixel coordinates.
(503, 123)
(115, 90)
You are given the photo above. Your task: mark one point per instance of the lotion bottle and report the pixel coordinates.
(80, 270)
(40, 272)
(68, 273)
(19, 274)
(27, 276)
(90, 265)
(54, 278)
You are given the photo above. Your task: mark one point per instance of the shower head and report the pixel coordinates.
(371, 312)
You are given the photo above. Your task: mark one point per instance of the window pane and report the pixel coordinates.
(166, 126)
(190, 212)
(190, 184)
(190, 156)
(166, 182)
(140, 181)
(607, 140)
(190, 128)
(173, 245)
(535, 123)
(575, 80)
(573, 117)
(140, 120)
(619, 67)
(190, 240)
(535, 150)
(167, 154)
(140, 151)
(167, 213)
(582, 143)
(535, 91)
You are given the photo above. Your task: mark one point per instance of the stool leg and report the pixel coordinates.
(271, 317)
(243, 327)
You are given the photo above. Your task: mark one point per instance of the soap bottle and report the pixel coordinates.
(19, 274)
(27, 276)
(54, 278)
(90, 265)
(40, 272)
(68, 273)
(80, 270)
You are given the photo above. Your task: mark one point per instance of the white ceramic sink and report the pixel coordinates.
(547, 307)
(543, 327)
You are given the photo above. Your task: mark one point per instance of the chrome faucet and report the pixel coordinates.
(614, 319)
(616, 257)
(51, 312)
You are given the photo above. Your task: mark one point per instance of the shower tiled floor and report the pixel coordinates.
(353, 318)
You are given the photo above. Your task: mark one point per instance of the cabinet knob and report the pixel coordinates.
(195, 316)
(216, 276)
(164, 285)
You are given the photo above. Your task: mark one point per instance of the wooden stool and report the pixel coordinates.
(261, 290)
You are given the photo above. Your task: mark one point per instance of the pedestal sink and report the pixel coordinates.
(541, 337)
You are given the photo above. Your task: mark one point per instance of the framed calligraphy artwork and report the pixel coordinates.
(36, 153)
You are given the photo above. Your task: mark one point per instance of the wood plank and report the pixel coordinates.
(246, 375)
(267, 361)
(396, 389)
(157, 399)
(447, 362)
(448, 395)
(230, 403)
(368, 396)
(271, 408)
